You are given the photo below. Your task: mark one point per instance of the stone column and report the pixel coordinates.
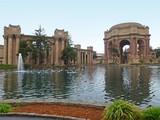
(132, 50)
(147, 47)
(62, 45)
(17, 48)
(10, 50)
(91, 58)
(105, 49)
(79, 54)
(88, 57)
(51, 54)
(82, 58)
(5, 51)
(56, 52)
(136, 47)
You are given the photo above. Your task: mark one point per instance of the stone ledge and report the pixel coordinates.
(16, 102)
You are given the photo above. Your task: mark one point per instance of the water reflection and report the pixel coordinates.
(129, 83)
(139, 84)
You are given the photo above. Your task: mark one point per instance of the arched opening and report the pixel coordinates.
(124, 51)
(140, 48)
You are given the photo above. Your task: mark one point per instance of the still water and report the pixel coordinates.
(139, 84)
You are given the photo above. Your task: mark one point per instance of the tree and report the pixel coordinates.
(68, 54)
(40, 45)
(157, 51)
(114, 52)
(24, 49)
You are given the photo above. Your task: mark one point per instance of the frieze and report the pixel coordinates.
(124, 31)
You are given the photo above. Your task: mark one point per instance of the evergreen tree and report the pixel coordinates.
(24, 49)
(68, 54)
(40, 45)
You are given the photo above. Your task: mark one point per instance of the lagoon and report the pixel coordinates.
(97, 83)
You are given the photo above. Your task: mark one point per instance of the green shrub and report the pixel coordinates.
(6, 66)
(5, 108)
(122, 110)
(151, 113)
(27, 66)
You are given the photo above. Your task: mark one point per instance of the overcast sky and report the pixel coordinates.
(85, 20)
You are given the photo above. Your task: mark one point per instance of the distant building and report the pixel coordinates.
(84, 56)
(99, 58)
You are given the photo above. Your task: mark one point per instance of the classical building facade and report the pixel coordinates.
(12, 37)
(84, 56)
(135, 35)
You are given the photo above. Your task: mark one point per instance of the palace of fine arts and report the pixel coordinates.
(132, 34)
(41, 74)
(80, 60)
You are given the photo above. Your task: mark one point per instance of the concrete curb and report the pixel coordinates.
(16, 102)
(40, 116)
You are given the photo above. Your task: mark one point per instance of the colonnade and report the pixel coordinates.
(84, 56)
(12, 37)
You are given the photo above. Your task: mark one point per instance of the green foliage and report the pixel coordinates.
(151, 113)
(24, 49)
(40, 45)
(114, 52)
(122, 110)
(27, 66)
(157, 51)
(141, 61)
(5, 108)
(6, 66)
(68, 53)
(150, 60)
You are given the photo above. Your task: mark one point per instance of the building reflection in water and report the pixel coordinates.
(129, 83)
(36, 84)
(139, 84)
(10, 85)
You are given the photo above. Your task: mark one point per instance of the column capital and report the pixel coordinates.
(5, 36)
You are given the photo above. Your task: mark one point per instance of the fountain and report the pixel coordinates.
(20, 66)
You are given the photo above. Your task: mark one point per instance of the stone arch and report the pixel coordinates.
(133, 34)
(124, 54)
